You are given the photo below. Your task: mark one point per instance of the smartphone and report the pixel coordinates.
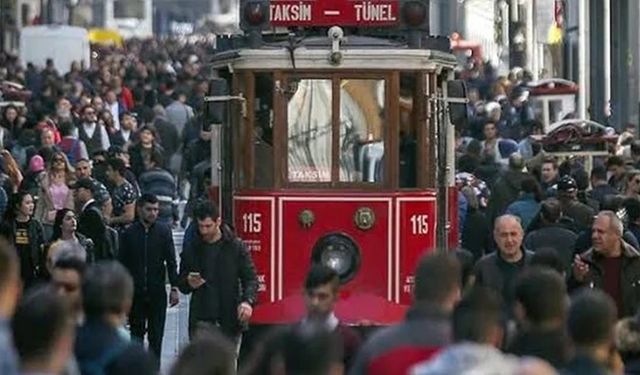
(194, 274)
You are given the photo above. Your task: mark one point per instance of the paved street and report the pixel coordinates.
(175, 333)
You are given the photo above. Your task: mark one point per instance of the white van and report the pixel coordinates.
(63, 44)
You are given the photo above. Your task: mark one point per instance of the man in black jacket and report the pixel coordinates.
(551, 233)
(217, 268)
(147, 251)
(90, 220)
(507, 188)
(498, 270)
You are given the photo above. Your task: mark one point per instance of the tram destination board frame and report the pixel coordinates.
(375, 13)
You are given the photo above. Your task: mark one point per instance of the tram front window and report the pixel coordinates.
(362, 105)
(309, 115)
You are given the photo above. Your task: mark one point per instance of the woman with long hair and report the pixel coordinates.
(12, 169)
(11, 121)
(65, 229)
(54, 192)
(27, 236)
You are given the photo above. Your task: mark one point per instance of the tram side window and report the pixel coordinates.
(408, 145)
(309, 118)
(362, 118)
(263, 131)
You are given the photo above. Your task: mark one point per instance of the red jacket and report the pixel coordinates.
(126, 98)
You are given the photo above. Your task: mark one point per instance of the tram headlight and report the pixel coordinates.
(338, 252)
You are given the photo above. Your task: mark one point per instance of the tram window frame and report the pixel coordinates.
(391, 82)
(411, 126)
(247, 175)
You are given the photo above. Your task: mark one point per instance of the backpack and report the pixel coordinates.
(98, 366)
(112, 243)
(71, 155)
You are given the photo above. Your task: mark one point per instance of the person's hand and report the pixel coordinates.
(244, 312)
(51, 215)
(580, 268)
(195, 281)
(616, 365)
(174, 297)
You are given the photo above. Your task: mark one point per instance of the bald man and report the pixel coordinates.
(499, 270)
(610, 264)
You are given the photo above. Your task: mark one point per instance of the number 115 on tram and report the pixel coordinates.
(334, 145)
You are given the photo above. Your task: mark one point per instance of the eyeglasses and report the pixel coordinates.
(87, 113)
(61, 160)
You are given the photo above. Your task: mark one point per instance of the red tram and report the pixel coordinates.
(335, 145)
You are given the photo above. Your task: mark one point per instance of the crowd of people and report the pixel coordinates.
(94, 162)
(93, 166)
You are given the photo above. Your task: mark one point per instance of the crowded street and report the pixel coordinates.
(270, 187)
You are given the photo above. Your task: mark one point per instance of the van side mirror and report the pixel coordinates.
(215, 110)
(457, 89)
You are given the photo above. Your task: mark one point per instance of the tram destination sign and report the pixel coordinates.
(334, 13)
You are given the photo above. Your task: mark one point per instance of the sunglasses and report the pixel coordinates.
(58, 160)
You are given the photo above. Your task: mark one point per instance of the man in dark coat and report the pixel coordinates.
(551, 233)
(592, 316)
(147, 251)
(90, 220)
(600, 187)
(541, 294)
(581, 213)
(507, 188)
(611, 264)
(107, 291)
(498, 270)
(217, 268)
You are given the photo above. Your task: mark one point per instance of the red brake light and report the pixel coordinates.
(254, 14)
(414, 13)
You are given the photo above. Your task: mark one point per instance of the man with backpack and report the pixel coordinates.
(100, 348)
(73, 147)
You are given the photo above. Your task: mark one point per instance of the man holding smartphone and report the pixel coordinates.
(217, 268)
